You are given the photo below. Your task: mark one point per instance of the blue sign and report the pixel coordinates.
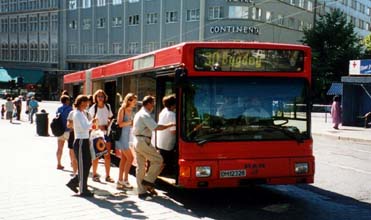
(365, 67)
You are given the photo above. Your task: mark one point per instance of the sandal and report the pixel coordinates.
(96, 178)
(124, 185)
(109, 179)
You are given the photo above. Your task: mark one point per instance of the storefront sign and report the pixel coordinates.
(234, 29)
(360, 67)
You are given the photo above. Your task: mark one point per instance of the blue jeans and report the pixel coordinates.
(31, 113)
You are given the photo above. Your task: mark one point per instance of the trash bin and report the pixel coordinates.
(42, 124)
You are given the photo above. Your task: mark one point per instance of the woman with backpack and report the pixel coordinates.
(125, 121)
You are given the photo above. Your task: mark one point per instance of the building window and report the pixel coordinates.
(361, 24)
(72, 4)
(241, 12)
(72, 49)
(101, 22)
(86, 3)
(291, 22)
(44, 23)
(12, 5)
(256, 13)
(23, 24)
(86, 24)
(14, 51)
(301, 25)
(44, 52)
(133, 48)
(171, 17)
(150, 46)
(354, 4)
(73, 24)
(34, 53)
(116, 2)
(133, 1)
(101, 48)
(54, 53)
(86, 49)
(4, 6)
(54, 18)
(215, 13)
(33, 24)
(301, 3)
(44, 3)
(134, 20)
(4, 51)
(4, 25)
(116, 22)
(23, 5)
(310, 6)
(268, 16)
(101, 3)
(362, 8)
(152, 18)
(13, 25)
(193, 15)
(280, 19)
(23, 52)
(116, 48)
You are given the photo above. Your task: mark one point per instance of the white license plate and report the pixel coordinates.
(232, 173)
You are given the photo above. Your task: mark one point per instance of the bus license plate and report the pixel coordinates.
(232, 173)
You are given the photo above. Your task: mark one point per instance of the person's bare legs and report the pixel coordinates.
(107, 162)
(73, 162)
(59, 154)
(129, 160)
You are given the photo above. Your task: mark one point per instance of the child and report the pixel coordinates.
(2, 111)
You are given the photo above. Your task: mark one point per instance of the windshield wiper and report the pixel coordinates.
(215, 136)
(293, 135)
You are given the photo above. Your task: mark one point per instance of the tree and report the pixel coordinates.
(334, 43)
(367, 46)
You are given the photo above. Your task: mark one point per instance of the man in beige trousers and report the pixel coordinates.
(143, 126)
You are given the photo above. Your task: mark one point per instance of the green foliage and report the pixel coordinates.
(334, 43)
(367, 45)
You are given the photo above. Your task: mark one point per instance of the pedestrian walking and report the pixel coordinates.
(102, 111)
(336, 112)
(2, 111)
(9, 108)
(125, 121)
(63, 112)
(81, 127)
(143, 126)
(18, 106)
(33, 108)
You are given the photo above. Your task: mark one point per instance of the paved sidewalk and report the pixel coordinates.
(322, 126)
(32, 188)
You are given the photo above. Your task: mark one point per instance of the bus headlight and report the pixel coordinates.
(204, 171)
(301, 168)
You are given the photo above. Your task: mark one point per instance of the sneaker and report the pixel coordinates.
(124, 184)
(87, 194)
(72, 187)
(109, 179)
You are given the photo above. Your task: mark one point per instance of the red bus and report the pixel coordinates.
(243, 109)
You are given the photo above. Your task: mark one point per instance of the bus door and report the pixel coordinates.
(110, 89)
(165, 86)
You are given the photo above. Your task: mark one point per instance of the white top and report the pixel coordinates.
(103, 114)
(143, 123)
(81, 125)
(166, 138)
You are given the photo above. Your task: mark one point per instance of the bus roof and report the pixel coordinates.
(171, 56)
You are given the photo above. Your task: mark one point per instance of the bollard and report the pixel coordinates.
(42, 124)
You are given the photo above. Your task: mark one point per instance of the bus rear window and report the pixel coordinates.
(248, 60)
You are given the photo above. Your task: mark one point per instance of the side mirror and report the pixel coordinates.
(181, 75)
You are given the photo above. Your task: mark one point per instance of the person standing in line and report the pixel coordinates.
(336, 112)
(143, 126)
(18, 106)
(125, 121)
(33, 105)
(165, 139)
(63, 112)
(102, 111)
(81, 127)
(9, 107)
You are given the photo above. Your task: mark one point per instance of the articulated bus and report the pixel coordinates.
(243, 108)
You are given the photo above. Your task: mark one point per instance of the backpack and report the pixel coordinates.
(115, 130)
(57, 126)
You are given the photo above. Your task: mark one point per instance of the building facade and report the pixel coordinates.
(43, 39)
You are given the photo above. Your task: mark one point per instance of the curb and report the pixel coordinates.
(339, 137)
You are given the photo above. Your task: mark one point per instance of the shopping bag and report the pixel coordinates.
(97, 144)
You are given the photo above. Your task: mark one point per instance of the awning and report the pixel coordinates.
(335, 89)
(4, 76)
(29, 76)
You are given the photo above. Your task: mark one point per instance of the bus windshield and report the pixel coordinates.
(227, 109)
